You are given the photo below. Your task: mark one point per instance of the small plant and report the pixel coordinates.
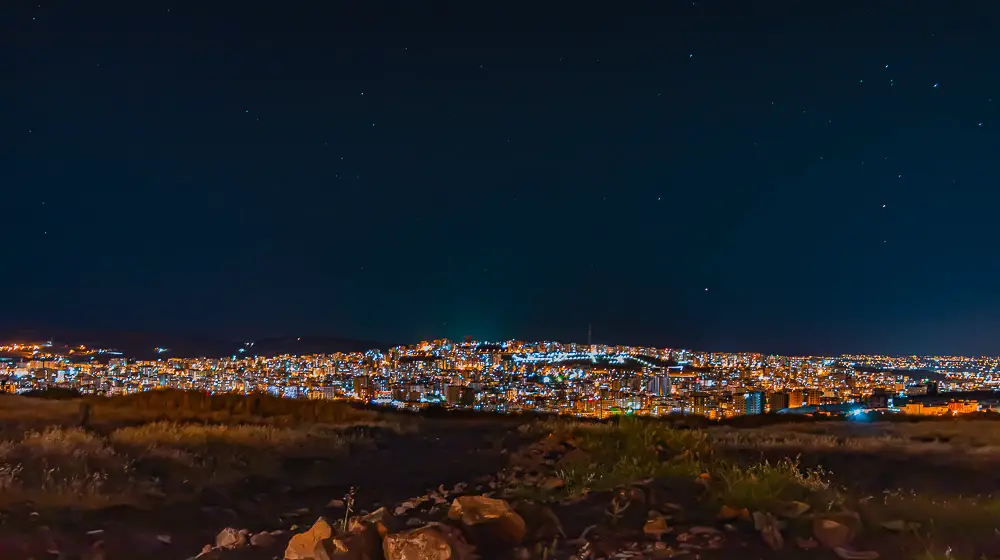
(757, 485)
(348, 508)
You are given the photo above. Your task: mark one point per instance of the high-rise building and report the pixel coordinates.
(754, 402)
(659, 385)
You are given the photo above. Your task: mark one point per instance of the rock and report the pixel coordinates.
(790, 510)
(767, 525)
(414, 522)
(542, 524)
(489, 523)
(263, 540)
(362, 544)
(628, 508)
(381, 519)
(551, 483)
(901, 526)
(95, 552)
(228, 538)
(303, 545)
(656, 528)
(851, 554)
(431, 542)
(702, 530)
(831, 533)
(806, 544)
(727, 513)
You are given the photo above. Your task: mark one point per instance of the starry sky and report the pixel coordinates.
(807, 177)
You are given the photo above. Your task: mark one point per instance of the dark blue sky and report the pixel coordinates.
(783, 177)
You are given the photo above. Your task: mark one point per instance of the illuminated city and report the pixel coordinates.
(513, 376)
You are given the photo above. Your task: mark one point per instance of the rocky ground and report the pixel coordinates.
(400, 466)
(484, 489)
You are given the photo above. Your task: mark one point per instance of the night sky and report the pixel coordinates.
(807, 177)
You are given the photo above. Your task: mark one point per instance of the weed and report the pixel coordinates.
(348, 508)
(758, 485)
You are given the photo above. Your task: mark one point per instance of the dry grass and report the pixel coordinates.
(976, 441)
(206, 436)
(139, 448)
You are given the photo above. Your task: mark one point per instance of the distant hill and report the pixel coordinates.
(143, 345)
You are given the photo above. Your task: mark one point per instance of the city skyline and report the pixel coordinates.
(783, 178)
(589, 380)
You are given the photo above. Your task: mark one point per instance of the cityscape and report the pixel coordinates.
(585, 380)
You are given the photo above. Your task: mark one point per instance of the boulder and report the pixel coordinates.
(361, 544)
(489, 523)
(542, 524)
(303, 545)
(228, 538)
(381, 519)
(434, 541)
(831, 534)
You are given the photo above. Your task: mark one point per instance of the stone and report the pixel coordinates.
(430, 542)
(790, 510)
(95, 552)
(727, 513)
(830, 533)
(769, 530)
(263, 540)
(806, 544)
(488, 522)
(850, 554)
(362, 544)
(900, 526)
(541, 523)
(381, 519)
(303, 545)
(656, 528)
(227, 538)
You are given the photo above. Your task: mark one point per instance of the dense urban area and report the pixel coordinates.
(590, 380)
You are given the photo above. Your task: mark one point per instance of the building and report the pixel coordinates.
(879, 399)
(364, 388)
(460, 395)
(778, 401)
(963, 407)
(659, 385)
(700, 403)
(754, 402)
(921, 409)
